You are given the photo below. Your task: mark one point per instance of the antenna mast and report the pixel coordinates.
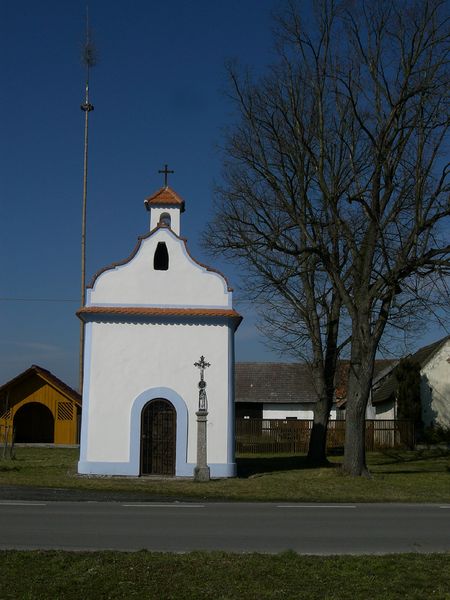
(88, 60)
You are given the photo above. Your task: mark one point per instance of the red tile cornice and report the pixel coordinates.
(147, 311)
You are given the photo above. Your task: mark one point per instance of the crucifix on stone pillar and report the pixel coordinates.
(201, 471)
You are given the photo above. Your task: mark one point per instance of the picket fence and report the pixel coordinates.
(274, 436)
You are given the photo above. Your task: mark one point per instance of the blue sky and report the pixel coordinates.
(158, 96)
(158, 91)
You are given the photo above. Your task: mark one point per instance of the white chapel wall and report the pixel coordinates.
(129, 358)
(173, 212)
(136, 283)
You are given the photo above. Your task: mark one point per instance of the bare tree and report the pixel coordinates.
(394, 84)
(336, 192)
(266, 214)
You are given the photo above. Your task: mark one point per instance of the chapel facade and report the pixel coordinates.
(148, 319)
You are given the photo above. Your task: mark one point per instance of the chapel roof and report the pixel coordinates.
(165, 196)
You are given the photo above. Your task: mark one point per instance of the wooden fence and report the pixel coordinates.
(274, 436)
(7, 435)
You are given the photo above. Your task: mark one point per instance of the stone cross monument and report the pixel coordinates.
(201, 471)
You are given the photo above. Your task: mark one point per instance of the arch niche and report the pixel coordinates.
(34, 423)
(158, 438)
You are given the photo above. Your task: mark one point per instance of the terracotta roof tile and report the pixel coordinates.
(165, 196)
(145, 311)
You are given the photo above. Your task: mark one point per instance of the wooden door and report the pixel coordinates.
(158, 438)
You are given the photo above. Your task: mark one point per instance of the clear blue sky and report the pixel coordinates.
(158, 96)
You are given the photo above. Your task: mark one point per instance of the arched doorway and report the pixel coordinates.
(34, 423)
(158, 438)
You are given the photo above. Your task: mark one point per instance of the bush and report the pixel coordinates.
(436, 434)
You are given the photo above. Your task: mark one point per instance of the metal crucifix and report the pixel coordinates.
(202, 365)
(202, 398)
(166, 171)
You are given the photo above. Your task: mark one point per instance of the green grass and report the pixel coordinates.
(409, 476)
(220, 576)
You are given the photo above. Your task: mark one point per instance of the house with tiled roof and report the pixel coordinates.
(38, 407)
(286, 390)
(434, 362)
(274, 390)
(148, 320)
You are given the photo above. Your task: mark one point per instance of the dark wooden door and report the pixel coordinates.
(158, 438)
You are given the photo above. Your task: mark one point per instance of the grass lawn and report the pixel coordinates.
(397, 476)
(220, 576)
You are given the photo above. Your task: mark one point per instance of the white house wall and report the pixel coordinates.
(184, 284)
(294, 411)
(435, 388)
(129, 360)
(385, 410)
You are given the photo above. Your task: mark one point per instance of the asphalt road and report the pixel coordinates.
(239, 527)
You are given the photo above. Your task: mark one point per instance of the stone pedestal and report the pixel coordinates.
(201, 471)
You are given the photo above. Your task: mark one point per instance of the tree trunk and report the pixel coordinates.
(324, 376)
(358, 393)
(355, 440)
(317, 450)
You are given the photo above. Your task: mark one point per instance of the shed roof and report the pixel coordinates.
(285, 382)
(47, 376)
(274, 382)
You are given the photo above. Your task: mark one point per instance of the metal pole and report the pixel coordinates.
(83, 244)
(86, 107)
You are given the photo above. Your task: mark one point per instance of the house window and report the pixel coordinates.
(161, 258)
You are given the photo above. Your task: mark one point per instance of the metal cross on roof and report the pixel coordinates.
(166, 171)
(202, 365)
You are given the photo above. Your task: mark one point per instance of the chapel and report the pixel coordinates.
(148, 319)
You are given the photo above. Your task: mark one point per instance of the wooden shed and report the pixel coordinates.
(39, 408)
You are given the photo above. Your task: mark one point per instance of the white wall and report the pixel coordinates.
(127, 359)
(184, 284)
(283, 411)
(173, 212)
(385, 410)
(435, 388)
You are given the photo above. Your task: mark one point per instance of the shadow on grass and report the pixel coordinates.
(253, 465)
(399, 457)
(406, 472)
